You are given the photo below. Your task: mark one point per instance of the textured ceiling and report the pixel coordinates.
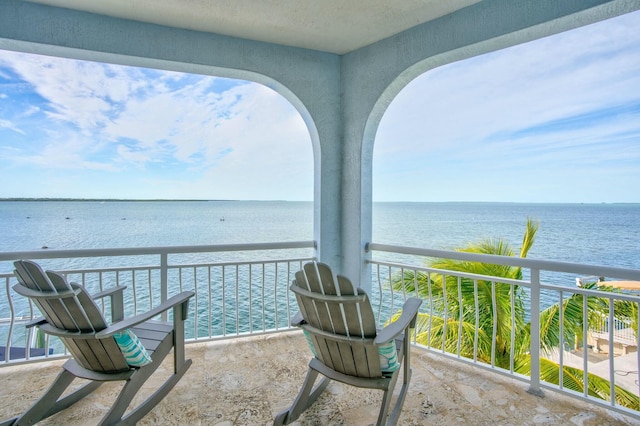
(336, 26)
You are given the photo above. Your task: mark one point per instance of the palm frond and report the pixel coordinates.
(529, 237)
(573, 378)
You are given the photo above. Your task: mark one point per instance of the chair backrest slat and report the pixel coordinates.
(84, 312)
(33, 277)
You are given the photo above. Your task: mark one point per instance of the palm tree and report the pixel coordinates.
(486, 320)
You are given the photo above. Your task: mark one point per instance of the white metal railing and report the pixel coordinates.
(243, 289)
(623, 332)
(239, 289)
(457, 322)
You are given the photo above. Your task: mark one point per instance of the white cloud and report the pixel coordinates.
(563, 100)
(9, 125)
(472, 130)
(173, 125)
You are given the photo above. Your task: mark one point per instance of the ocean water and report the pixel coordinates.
(599, 234)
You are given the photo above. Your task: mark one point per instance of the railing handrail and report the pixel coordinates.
(524, 283)
(136, 251)
(547, 265)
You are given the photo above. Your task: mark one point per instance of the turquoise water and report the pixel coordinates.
(601, 234)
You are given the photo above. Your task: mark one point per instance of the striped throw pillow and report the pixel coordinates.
(388, 357)
(132, 349)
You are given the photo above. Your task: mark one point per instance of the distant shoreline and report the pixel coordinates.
(101, 199)
(144, 200)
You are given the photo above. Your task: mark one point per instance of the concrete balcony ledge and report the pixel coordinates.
(247, 381)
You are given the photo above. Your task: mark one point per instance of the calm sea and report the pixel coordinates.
(592, 234)
(600, 234)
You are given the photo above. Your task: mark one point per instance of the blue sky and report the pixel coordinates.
(554, 120)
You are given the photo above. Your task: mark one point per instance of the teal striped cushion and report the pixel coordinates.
(388, 357)
(307, 335)
(132, 349)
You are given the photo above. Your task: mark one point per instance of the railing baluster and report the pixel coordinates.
(446, 312)
(637, 305)
(149, 282)
(250, 299)
(416, 294)
(585, 339)
(275, 298)
(612, 379)
(237, 302)
(264, 325)
(224, 302)
(494, 328)
(164, 281)
(210, 303)
(512, 346)
(534, 386)
(133, 288)
(460, 316)
(12, 315)
(561, 348)
(477, 323)
(429, 284)
(195, 301)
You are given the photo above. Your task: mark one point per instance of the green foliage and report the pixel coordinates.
(468, 312)
(573, 378)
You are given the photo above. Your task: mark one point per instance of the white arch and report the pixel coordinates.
(384, 83)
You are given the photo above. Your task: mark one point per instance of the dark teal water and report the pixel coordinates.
(601, 234)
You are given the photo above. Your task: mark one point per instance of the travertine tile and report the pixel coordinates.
(248, 381)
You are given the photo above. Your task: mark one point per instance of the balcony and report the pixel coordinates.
(246, 381)
(249, 364)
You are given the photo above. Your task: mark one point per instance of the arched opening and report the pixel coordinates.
(472, 148)
(77, 129)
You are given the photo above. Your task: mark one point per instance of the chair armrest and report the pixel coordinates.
(117, 301)
(108, 292)
(140, 318)
(297, 320)
(407, 319)
(36, 322)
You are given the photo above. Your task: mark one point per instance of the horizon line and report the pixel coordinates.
(295, 201)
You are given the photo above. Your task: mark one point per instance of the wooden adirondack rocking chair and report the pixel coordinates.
(128, 349)
(338, 322)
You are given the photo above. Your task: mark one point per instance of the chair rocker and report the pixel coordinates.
(339, 324)
(129, 349)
